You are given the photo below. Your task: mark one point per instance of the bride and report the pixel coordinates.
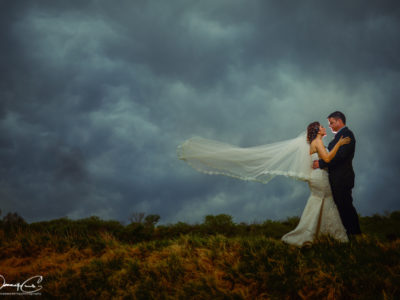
(292, 158)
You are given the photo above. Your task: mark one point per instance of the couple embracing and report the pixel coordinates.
(330, 175)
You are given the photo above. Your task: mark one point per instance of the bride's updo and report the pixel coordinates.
(312, 131)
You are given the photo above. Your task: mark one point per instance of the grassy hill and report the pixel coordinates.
(217, 259)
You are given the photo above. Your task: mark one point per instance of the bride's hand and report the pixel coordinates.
(343, 141)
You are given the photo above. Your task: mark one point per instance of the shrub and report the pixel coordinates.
(221, 224)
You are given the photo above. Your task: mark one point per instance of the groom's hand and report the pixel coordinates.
(315, 164)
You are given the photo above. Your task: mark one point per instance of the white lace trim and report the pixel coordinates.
(269, 174)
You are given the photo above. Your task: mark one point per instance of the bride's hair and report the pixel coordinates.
(312, 131)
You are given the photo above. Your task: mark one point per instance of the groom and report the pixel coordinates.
(341, 173)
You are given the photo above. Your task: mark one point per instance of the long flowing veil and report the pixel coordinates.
(261, 163)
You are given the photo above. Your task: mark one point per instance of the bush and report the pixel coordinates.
(221, 224)
(151, 220)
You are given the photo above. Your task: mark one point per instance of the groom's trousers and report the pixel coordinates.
(344, 202)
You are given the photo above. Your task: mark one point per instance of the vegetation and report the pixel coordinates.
(217, 259)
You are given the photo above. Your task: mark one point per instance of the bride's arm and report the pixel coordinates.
(328, 156)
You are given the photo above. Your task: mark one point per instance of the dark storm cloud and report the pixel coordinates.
(95, 97)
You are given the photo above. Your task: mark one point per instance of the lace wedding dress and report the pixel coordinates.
(320, 215)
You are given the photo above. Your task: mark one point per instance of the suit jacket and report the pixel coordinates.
(340, 168)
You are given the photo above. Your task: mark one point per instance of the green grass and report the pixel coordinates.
(217, 259)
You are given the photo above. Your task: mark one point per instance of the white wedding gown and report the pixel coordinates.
(320, 215)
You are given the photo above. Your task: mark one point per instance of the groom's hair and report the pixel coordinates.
(338, 115)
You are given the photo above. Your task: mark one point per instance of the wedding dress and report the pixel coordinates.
(320, 215)
(289, 158)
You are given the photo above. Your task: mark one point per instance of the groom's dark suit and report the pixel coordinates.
(341, 178)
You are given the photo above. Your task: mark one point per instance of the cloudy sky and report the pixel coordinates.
(95, 96)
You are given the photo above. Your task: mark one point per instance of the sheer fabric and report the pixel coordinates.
(261, 163)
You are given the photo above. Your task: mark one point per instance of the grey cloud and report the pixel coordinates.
(95, 97)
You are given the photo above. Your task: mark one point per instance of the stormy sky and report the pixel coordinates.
(95, 96)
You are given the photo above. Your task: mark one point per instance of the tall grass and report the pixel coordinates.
(217, 259)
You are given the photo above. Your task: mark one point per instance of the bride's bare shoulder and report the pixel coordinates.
(316, 142)
(314, 145)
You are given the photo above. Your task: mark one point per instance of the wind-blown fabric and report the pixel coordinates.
(261, 163)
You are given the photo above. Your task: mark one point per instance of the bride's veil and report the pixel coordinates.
(261, 163)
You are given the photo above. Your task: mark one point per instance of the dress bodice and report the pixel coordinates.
(314, 156)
